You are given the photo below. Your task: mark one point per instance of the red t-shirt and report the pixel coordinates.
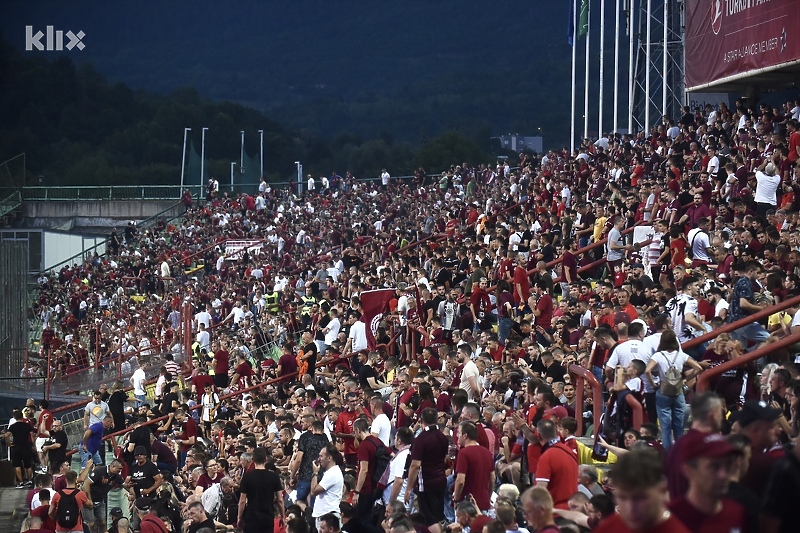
(344, 424)
(730, 518)
(615, 524)
(545, 305)
(46, 419)
(80, 497)
(569, 263)
(42, 512)
(522, 282)
(221, 358)
(189, 431)
(366, 453)
(477, 464)
(558, 467)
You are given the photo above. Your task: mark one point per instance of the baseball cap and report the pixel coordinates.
(699, 444)
(557, 411)
(143, 504)
(116, 511)
(140, 450)
(637, 265)
(754, 411)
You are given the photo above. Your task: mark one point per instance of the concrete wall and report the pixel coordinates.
(121, 209)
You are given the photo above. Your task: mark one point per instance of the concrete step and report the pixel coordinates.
(13, 509)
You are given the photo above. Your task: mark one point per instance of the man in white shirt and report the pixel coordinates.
(626, 352)
(137, 382)
(713, 162)
(203, 338)
(470, 375)
(357, 339)
(397, 485)
(381, 425)
(698, 240)
(327, 492)
(203, 317)
(385, 177)
(767, 183)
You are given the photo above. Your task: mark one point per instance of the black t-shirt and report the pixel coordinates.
(208, 522)
(57, 455)
(166, 403)
(260, 486)
(102, 482)
(322, 324)
(116, 404)
(21, 433)
(141, 437)
(364, 374)
(311, 348)
(143, 477)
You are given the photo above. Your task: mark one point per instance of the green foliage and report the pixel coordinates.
(451, 147)
(77, 129)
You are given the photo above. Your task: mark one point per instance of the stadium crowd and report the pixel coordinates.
(460, 410)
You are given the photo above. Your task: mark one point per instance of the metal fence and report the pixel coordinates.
(10, 202)
(13, 313)
(144, 192)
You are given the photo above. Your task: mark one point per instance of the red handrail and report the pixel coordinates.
(581, 376)
(732, 326)
(234, 394)
(705, 376)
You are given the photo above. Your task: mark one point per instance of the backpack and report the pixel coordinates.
(68, 510)
(672, 382)
(690, 251)
(380, 476)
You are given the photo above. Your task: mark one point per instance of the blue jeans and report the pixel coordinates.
(503, 329)
(754, 332)
(140, 399)
(449, 509)
(303, 489)
(85, 454)
(164, 466)
(671, 411)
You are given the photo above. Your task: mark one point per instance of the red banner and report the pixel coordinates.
(730, 38)
(374, 305)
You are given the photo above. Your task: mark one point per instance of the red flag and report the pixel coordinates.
(375, 304)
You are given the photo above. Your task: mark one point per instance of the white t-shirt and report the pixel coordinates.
(721, 305)
(203, 317)
(137, 380)
(698, 239)
(664, 359)
(396, 470)
(382, 427)
(358, 332)
(328, 502)
(624, 353)
(470, 370)
(333, 331)
(677, 308)
(766, 188)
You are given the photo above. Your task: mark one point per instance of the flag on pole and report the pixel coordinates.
(571, 24)
(375, 304)
(583, 23)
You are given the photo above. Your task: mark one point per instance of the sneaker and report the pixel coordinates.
(29, 483)
(21, 485)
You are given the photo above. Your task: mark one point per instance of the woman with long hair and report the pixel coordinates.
(671, 366)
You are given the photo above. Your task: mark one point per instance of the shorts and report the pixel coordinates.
(39, 443)
(21, 456)
(96, 514)
(431, 505)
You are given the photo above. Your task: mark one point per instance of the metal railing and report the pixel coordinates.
(9, 203)
(143, 224)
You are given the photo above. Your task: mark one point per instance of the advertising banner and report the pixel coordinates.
(728, 39)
